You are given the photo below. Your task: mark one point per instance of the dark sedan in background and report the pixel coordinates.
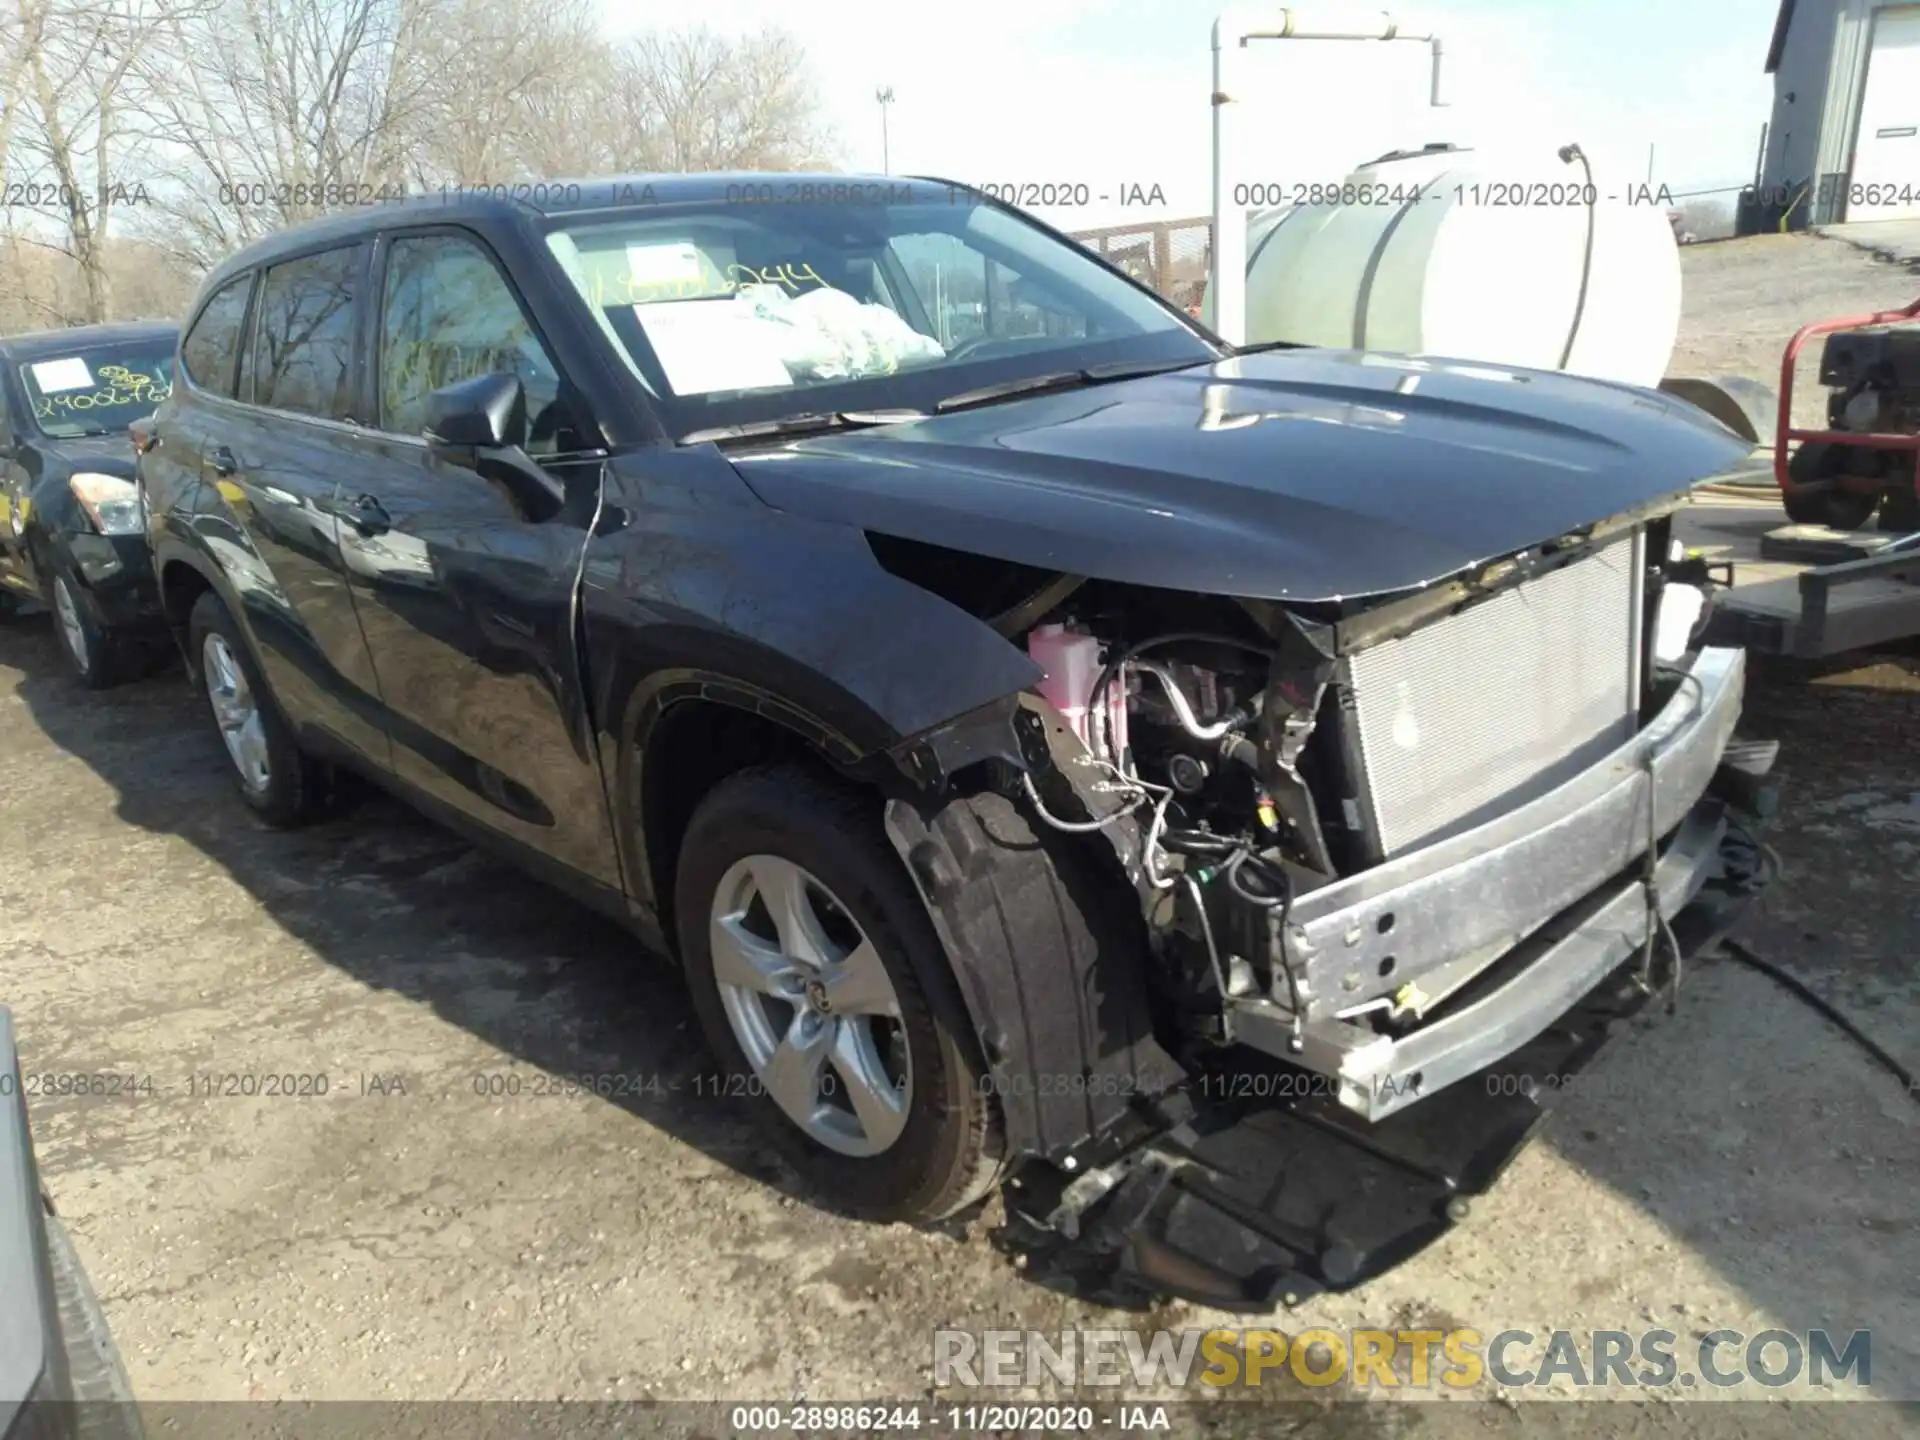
(72, 536)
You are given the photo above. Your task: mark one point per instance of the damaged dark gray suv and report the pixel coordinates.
(1206, 790)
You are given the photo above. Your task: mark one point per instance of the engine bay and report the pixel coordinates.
(1222, 747)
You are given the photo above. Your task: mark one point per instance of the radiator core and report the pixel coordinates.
(1495, 705)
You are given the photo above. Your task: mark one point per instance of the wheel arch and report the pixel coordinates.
(687, 734)
(181, 582)
(1042, 930)
(182, 573)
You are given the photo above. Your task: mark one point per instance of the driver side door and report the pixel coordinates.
(465, 593)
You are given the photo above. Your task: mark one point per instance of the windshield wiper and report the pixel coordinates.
(811, 423)
(1060, 380)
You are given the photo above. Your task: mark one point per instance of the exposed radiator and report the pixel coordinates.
(1487, 709)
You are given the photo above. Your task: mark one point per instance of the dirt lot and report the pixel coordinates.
(412, 1234)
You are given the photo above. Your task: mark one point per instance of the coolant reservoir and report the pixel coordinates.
(1071, 660)
(1488, 263)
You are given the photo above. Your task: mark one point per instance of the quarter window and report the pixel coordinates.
(213, 343)
(449, 316)
(303, 340)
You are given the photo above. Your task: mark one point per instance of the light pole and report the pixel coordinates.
(885, 96)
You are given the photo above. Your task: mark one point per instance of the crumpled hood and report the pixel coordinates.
(1296, 475)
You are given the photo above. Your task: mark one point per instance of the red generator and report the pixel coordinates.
(1865, 461)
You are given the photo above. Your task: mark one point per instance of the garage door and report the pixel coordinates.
(1886, 156)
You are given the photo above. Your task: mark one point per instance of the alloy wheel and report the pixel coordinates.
(811, 1004)
(236, 711)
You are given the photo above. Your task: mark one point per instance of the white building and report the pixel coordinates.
(1844, 141)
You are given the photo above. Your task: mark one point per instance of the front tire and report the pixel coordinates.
(829, 1000)
(283, 785)
(93, 656)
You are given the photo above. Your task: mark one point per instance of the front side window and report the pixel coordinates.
(304, 335)
(733, 313)
(447, 316)
(213, 344)
(96, 389)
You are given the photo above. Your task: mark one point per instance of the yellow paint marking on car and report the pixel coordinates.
(230, 492)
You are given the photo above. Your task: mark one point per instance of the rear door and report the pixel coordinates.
(465, 590)
(276, 454)
(203, 392)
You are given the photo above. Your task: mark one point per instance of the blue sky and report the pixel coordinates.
(1116, 92)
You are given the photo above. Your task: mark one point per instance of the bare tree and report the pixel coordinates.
(696, 101)
(509, 92)
(67, 133)
(233, 118)
(283, 108)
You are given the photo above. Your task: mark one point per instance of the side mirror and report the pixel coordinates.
(485, 419)
(488, 412)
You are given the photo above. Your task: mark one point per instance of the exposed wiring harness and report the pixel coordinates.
(1235, 860)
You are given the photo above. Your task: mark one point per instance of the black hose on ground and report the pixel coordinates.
(1800, 989)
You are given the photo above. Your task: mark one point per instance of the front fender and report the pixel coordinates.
(692, 586)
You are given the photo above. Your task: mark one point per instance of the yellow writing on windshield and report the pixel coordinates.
(626, 290)
(121, 387)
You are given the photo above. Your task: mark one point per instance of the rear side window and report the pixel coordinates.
(304, 337)
(213, 344)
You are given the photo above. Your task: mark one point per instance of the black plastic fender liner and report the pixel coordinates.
(1050, 954)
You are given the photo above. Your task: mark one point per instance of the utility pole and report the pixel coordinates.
(885, 96)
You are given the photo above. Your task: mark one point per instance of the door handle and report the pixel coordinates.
(364, 513)
(220, 460)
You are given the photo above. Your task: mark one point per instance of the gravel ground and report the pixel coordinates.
(410, 1234)
(1743, 299)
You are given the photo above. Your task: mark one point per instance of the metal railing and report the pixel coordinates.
(1168, 256)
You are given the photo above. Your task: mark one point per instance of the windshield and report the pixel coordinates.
(97, 390)
(734, 313)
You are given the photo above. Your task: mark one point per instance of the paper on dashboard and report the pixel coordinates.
(68, 374)
(708, 345)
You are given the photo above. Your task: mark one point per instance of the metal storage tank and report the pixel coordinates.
(1525, 262)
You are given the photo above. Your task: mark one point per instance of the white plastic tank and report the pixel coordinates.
(1488, 263)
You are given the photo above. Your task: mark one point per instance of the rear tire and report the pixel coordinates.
(780, 841)
(284, 786)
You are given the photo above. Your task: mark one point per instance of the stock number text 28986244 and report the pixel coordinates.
(1271, 194)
